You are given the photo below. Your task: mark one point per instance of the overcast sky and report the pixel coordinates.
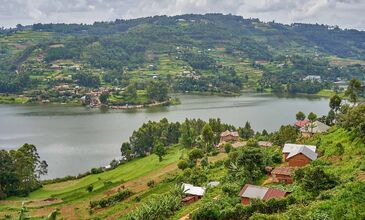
(345, 13)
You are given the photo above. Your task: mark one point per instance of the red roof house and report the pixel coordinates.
(282, 175)
(229, 136)
(302, 123)
(249, 192)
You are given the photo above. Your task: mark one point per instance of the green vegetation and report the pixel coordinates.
(211, 54)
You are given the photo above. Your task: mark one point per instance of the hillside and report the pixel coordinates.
(145, 186)
(212, 53)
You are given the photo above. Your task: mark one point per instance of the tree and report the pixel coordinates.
(300, 116)
(157, 91)
(312, 117)
(130, 92)
(159, 150)
(186, 138)
(353, 89)
(330, 117)
(208, 136)
(196, 154)
(90, 188)
(313, 179)
(335, 103)
(104, 98)
(182, 165)
(246, 132)
(126, 150)
(285, 134)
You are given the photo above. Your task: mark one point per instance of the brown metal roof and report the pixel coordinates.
(287, 171)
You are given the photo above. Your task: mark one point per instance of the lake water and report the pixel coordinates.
(74, 139)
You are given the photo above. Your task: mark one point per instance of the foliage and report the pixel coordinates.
(157, 91)
(159, 150)
(300, 116)
(159, 206)
(20, 171)
(314, 179)
(353, 90)
(246, 132)
(286, 134)
(111, 200)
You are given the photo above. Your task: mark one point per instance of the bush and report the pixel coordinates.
(151, 183)
(227, 147)
(182, 165)
(90, 188)
(106, 202)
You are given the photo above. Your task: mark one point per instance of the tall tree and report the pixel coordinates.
(208, 136)
(300, 116)
(335, 103)
(159, 150)
(353, 89)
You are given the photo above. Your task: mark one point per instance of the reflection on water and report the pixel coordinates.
(74, 139)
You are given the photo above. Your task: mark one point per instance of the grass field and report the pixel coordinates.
(72, 198)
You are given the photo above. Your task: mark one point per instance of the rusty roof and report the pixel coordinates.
(283, 171)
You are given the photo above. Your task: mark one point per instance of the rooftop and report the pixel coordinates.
(292, 147)
(193, 190)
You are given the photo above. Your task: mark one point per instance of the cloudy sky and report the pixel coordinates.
(345, 13)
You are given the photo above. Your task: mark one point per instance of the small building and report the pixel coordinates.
(301, 123)
(301, 157)
(288, 148)
(213, 184)
(312, 78)
(193, 193)
(313, 128)
(249, 192)
(265, 143)
(229, 136)
(282, 175)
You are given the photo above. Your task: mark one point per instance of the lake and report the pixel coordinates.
(74, 139)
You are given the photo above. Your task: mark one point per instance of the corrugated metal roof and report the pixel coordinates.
(254, 192)
(291, 147)
(283, 171)
(259, 192)
(193, 190)
(315, 127)
(305, 151)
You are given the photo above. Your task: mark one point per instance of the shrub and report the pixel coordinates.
(90, 188)
(182, 165)
(105, 202)
(151, 183)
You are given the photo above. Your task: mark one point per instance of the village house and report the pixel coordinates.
(282, 175)
(229, 136)
(299, 155)
(249, 192)
(313, 128)
(193, 193)
(312, 78)
(265, 143)
(301, 123)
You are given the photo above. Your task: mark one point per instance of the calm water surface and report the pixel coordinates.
(75, 139)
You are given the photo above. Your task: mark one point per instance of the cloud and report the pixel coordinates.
(345, 13)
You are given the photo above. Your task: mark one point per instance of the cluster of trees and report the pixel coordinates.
(222, 80)
(20, 171)
(87, 79)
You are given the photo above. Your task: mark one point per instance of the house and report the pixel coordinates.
(312, 78)
(313, 128)
(264, 143)
(301, 156)
(193, 193)
(301, 123)
(229, 136)
(288, 148)
(282, 175)
(249, 192)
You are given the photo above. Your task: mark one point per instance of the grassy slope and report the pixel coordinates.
(349, 167)
(74, 191)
